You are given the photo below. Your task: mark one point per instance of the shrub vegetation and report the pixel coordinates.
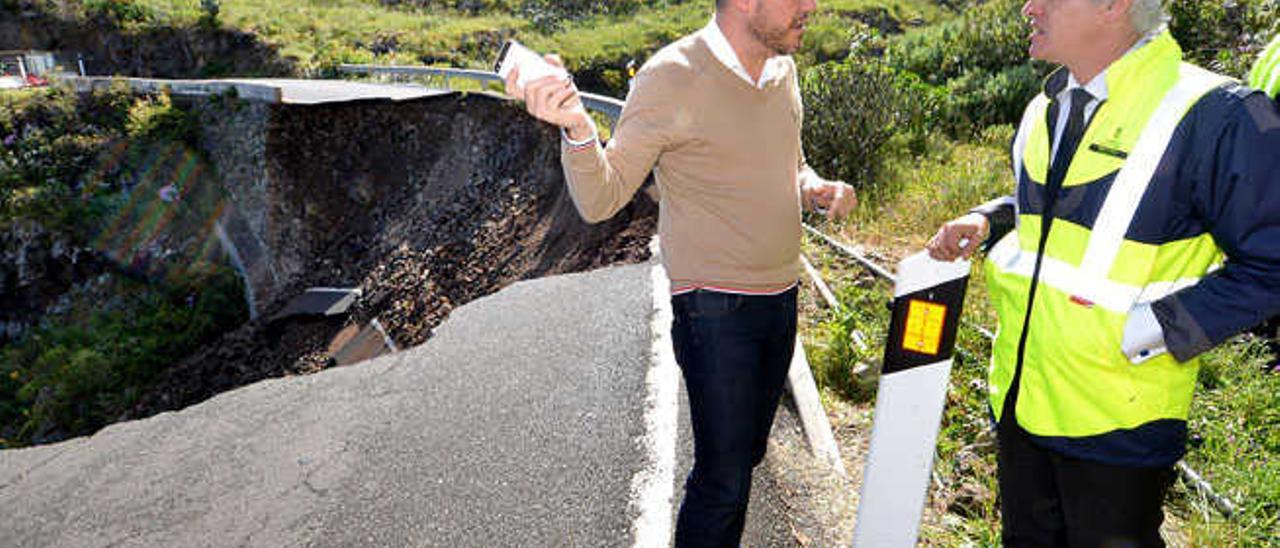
(916, 110)
(88, 169)
(71, 378)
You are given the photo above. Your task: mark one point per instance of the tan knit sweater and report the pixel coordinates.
(726, 157)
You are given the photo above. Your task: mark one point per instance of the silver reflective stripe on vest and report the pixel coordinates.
(1008, 257)
(1131, 183)
(1090, 280)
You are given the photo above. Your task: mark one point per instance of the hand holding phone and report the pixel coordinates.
(555, 101)
(529, 65)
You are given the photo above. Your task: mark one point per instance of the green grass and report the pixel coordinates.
(89, 169)
(320, 34)
(1235, 425)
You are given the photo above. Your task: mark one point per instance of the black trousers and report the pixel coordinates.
(734, 352)
(1051, 500)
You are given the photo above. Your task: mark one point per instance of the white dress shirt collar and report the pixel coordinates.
(1097, 87)
(723, 52)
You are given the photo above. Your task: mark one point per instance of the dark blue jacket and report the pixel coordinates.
(1226, 157)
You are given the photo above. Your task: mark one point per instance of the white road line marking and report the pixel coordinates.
(653, 487)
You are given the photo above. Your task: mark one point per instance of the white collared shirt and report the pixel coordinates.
(1097, 87)
(723, 52)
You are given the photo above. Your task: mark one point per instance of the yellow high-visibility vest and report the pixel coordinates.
(1075, 381)
(1266, 71)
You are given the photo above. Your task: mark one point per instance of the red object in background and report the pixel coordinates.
(36, 81)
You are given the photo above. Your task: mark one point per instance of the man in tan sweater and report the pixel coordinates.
(716, 116)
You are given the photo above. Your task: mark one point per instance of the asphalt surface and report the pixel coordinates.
(314, 92)
(518, 424)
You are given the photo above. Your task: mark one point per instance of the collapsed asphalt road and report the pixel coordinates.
(521, 423)
(544, 415)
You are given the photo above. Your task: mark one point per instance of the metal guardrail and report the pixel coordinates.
(608, 106)
(1188, 475)
(862, 260)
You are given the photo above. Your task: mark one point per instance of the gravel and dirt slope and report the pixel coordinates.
(423, 205)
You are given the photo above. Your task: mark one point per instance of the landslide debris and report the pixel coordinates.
(423, 206)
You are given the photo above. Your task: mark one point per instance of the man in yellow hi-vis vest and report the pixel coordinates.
(1144, 230)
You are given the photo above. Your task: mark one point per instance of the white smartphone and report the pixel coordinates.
(532, 66)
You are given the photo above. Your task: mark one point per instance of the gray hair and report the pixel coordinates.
(1148, 16)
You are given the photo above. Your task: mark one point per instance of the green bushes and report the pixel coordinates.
(976, 100)
(545, 15)
(830, 39)
(549, 15)
(92, 169)
(852, 110)
(958, 77)
(209, 13)
(985, 39)
(1224, 36)
(471, 7)
(118, 12)
(155, 119)
(978, 62)
(70, 378)
(49, 141)
(60, 153)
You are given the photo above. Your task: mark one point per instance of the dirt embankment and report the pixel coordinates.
(423, 205)
(156, 52)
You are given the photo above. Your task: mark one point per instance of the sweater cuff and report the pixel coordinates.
(574, 145)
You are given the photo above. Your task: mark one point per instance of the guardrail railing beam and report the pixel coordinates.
(608, 106)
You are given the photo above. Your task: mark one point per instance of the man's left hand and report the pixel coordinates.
(836, 197)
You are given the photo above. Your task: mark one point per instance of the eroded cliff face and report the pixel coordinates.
(423, 205)
(315, 193)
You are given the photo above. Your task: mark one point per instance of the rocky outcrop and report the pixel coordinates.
(315, 190)
(165, 52)
(38, 267)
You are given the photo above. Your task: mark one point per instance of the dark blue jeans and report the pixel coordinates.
(734, 351)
